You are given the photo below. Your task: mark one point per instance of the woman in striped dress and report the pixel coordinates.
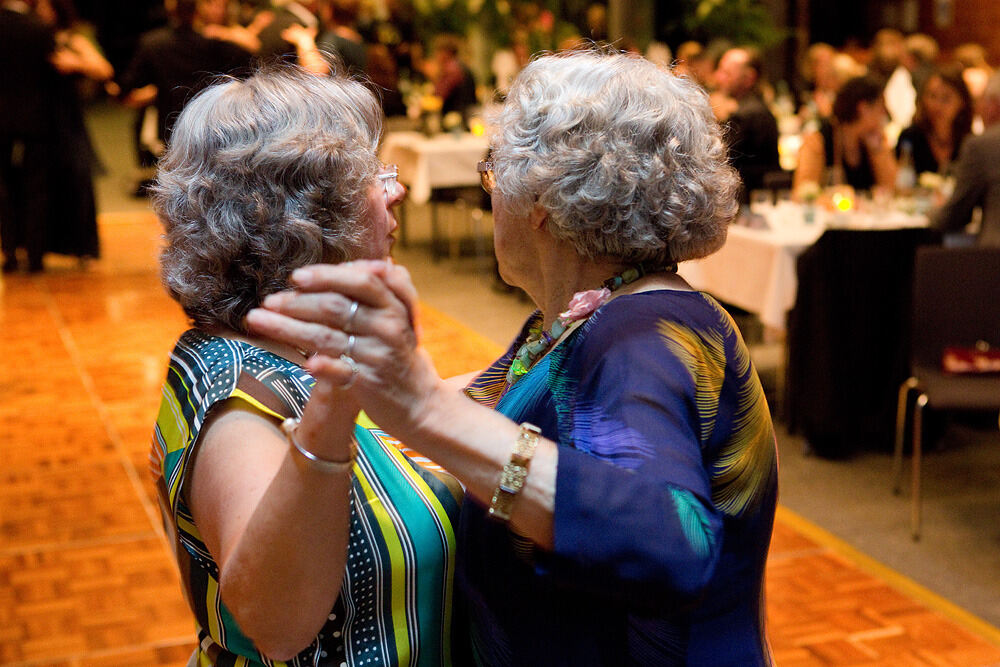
(302, 537)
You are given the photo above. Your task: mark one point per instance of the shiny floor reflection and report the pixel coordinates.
(86, 577)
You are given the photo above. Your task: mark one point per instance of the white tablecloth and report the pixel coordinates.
(755, 269)
(445, 160)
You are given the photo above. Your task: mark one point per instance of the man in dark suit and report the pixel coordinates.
(977, 179)
(285, 13)
(751, 130)
(25, 124)
(175, 62)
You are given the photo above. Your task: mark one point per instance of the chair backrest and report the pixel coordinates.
(956, 301)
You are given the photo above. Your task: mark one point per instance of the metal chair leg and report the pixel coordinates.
(897, 458)
(436, 252)
(460, 212)
(918, 436)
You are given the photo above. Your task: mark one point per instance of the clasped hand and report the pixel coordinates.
(357, 321)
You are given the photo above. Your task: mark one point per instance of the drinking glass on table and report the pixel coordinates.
(760, 200)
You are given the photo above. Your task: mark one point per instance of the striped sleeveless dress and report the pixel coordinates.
(395, 603)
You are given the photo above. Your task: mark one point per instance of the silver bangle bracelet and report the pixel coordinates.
(317, 463)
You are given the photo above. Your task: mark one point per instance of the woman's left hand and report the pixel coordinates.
(357, 319)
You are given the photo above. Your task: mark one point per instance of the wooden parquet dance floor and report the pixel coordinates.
(86, 577)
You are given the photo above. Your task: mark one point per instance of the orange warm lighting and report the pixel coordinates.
(842, 203)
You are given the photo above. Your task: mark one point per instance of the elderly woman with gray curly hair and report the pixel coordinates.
(300, 536)
(619, 460)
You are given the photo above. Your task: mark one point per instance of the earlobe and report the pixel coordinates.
(538, 217)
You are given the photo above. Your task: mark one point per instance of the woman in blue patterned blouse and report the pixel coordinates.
(619, 461)
(300, 536)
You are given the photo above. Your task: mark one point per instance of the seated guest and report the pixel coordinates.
(821, 83)
(696, 63)
(976, 72)
(851, 148)
(942, 121)
(920, 53)
(887, 65)
(452, 79)
(824, 71)
(751, 130)
(300, 536)
(977, 179)
(628, 429)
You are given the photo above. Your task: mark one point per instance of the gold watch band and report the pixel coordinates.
(515, 472)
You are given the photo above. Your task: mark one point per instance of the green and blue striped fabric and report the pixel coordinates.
(395, 602)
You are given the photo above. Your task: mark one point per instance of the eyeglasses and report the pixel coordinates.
(388, 174)
(486, 176)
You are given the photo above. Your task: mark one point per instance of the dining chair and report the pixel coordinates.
(956, 303)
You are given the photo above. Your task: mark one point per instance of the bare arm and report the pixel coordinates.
(244, 38)
(308, 55)
(78, 56)
(277, 528)
(399, 386)
(811, 162)
(882, 159)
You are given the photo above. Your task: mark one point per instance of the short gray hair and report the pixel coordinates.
(262, 176)
(625, 157)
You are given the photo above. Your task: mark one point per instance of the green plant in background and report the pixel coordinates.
(456, 17)
(737, 21)
(496, 20)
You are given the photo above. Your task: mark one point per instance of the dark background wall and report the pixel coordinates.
(953, 22)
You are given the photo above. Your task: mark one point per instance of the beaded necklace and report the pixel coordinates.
(580, 307)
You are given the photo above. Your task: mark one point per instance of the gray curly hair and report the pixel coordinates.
(626, 157)
(262, 176)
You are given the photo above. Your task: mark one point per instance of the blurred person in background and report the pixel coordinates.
(277, 16)
(751, 129)
(452, 78)
(886, 64)
(71, 219)
(26, 46)
(695, 62)
(976, 72)
(977, 178)
(850, 148)
(920, 57)
(824, 70)
(218, 19)
(941, 123)
(339, 34)
(173, 63)
(383, 72)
